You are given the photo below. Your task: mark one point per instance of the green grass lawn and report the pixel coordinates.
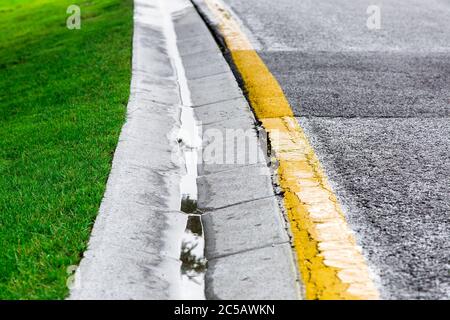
(63, 96)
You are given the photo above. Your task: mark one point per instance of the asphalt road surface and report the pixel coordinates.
(375, 104)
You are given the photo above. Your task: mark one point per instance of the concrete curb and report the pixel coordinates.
(329, 259)
(247, 246)
(135, 244)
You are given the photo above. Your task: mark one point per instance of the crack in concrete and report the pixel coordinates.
(210, 209)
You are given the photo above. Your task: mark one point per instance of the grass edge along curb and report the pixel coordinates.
(62, 105)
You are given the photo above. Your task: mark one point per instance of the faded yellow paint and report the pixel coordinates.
(268, 100)
(331, 264)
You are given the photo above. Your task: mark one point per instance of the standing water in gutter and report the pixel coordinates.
(193, 265)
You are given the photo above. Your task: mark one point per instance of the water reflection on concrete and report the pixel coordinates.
(193, 260)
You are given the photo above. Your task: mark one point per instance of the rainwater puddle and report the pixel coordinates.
(192, 257)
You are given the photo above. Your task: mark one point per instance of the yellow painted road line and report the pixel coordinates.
(331, 264)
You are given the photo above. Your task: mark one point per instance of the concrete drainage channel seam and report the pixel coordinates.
(247, 247)
(134, 250)
(331, 264)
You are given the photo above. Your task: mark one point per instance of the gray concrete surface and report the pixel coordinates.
(244, 227)
(226, 188)
(248, 251)
(135, 245)
(376, 106)
(220, 87)
(134, 248)
(231, 143)
(256, 271)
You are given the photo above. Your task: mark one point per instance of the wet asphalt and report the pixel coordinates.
(376, 106)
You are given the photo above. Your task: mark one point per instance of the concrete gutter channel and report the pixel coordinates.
(134, 250)
(247, 247)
